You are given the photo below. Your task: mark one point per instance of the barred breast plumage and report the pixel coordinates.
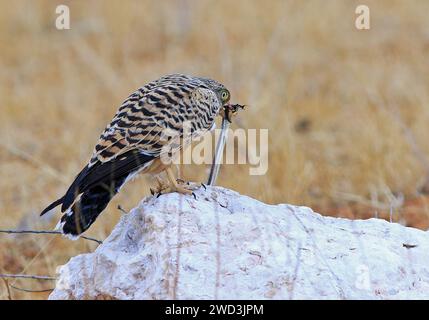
(135, 140)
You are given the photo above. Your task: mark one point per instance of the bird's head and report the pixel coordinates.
(223, 94)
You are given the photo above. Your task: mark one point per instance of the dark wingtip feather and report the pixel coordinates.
(69, 198)
(104, 173)
(73, 191)
(52, 205)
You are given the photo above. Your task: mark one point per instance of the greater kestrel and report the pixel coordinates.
(133, 143)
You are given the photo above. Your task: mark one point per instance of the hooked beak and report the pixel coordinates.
(230, 110)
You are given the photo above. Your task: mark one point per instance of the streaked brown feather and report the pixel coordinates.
(163, 104)
(133, 143)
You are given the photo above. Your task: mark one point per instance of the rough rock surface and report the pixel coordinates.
(229, 246)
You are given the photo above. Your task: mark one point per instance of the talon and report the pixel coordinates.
(195, 196)
(158, 195)
(204, 186)
(121, 209)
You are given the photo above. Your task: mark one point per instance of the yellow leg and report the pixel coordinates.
(175, 186)
(162, 186)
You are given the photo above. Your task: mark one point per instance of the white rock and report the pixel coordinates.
(228, 246)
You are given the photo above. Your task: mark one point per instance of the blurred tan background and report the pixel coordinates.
(347, 110)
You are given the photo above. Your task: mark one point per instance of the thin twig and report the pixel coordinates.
(295, 274)
(6, 283)
(122, 209)
(218, 257)
(26, 276)
(33, 291)
(46, 232)
(410, 137)
(99, 66)
(179, 246)
(35, 161)
(35, 257)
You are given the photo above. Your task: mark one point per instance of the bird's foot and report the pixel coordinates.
(186, 187)
(188, 184)
(182, 186)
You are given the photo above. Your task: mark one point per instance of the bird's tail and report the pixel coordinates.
(79, 217)
(96, 185)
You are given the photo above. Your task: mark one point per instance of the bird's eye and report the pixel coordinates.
(224, 95)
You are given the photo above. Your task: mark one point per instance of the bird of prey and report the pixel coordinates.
(133, 143)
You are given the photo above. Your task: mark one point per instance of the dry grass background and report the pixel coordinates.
(347, 110)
